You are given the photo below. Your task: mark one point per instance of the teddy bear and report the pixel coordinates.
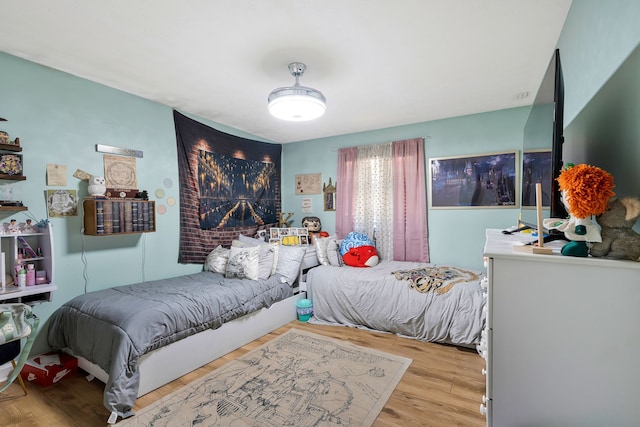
(619, 240)
(586, 191)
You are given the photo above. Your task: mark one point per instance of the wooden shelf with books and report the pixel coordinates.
(115, 216)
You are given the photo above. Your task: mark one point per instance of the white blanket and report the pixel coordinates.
(374, 298)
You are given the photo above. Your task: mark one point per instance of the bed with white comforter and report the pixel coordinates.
(423, 301)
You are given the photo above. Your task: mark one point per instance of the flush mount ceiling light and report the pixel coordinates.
(297, 103)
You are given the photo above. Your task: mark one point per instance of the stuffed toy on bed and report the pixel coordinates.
(357, 250)
(586, 191)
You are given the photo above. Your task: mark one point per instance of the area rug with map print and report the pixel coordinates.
(297, 379)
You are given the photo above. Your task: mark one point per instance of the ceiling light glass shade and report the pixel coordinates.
(297, 103)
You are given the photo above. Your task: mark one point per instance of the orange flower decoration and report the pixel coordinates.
(588, 189)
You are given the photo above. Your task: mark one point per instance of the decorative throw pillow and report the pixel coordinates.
(321, 244)
(333, 253)
(217, 260)
(243, 263)
(289, 260)
(266, 261)
(354, 240)
(267, 257)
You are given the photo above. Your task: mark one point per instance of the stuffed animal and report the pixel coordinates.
(97, 186)
(586, 191)
(357, 250)
(619, 240)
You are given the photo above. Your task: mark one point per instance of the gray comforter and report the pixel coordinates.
(114, 327)
(446, 306)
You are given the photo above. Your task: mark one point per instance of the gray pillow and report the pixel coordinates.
(217, 260)
(289, 260)
(333, 253)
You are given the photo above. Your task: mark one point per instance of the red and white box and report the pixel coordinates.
(49, 368)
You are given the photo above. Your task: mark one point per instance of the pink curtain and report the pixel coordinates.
(345, 190)
(410, 234)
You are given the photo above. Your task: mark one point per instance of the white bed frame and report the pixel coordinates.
(168, 363)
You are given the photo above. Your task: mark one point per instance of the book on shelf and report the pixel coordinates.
(108, 216)
(115, 207)
(28, 250)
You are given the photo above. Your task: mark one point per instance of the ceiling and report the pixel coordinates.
(380, 63)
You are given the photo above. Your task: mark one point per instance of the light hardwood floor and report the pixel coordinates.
(442, 387)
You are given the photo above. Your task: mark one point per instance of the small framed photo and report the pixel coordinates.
(475, 181)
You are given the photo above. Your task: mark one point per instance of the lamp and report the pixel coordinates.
(296, 103)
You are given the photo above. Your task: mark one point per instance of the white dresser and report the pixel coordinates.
(562, 343)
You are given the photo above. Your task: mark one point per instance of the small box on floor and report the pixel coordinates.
(49, 368)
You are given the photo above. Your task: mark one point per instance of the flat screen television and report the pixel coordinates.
(543, 135)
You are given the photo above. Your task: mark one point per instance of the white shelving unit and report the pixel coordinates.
(36, 293)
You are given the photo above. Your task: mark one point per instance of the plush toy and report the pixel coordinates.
(97, 186)
(586, 191)
(619, 240)
(357, 250)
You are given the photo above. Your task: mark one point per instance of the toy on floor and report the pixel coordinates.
(586, 191)
(619, 240)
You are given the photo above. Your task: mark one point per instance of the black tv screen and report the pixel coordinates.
(543, 138)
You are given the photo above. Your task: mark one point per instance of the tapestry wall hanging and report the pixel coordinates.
(228, 186)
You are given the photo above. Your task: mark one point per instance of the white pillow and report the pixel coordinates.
(250, 241)
(333, 253)
(321, 244)
(217, 260)
(243, 263)
(267, 261)
(289, 260)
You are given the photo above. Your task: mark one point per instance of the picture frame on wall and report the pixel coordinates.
(536, 167)
(488, 180)
(329, 191)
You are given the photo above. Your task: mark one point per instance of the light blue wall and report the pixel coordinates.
(598, 35)
(456, 236)
(59, 119)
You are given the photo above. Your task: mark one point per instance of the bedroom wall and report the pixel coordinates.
(59, 119)
(600, 49)
(596, 40)
(456, 236)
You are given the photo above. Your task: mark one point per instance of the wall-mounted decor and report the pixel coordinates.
(329, 191)
(310, 183)
(120, 172)
(476, 181)
(536, 167)
(247, 188)
(62, 203)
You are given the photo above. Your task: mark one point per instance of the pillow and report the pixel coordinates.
(354, 240)
(266, 261)
(243, 263)
(289, 260)
(333, 253)
(267, 258)
(217, 260)
(250, 241)
(321, 244)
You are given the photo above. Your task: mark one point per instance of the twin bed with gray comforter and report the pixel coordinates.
(423, 301)
(114, 327)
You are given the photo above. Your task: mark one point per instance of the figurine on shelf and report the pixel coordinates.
(29, 228)
(97, 186)
(13, 228)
